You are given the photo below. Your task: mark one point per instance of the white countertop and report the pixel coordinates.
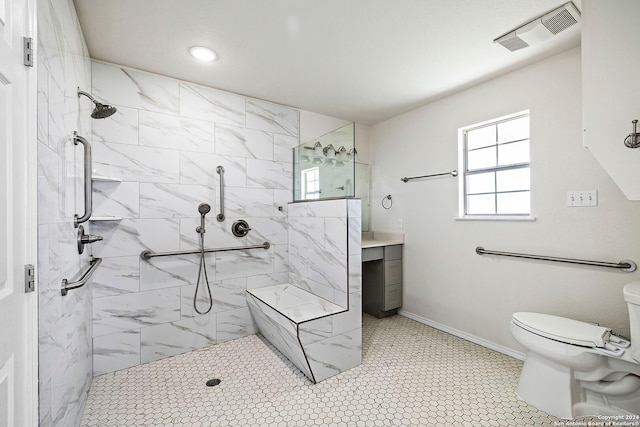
(374, 239)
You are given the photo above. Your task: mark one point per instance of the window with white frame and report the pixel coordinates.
(311, 183)
(494, 158)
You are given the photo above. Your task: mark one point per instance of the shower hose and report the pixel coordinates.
(202, 269)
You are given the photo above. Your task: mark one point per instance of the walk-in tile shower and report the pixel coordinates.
(153, 163)
(164, 146)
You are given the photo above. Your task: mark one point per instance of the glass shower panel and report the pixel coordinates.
(333, 156)
(326, 167)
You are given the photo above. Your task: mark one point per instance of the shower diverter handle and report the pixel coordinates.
(85, 239)
(240, 228)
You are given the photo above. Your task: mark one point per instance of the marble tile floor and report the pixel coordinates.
(411, 375)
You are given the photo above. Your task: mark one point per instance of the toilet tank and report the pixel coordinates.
(631, 293)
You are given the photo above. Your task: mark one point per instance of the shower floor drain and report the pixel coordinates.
(214, 382)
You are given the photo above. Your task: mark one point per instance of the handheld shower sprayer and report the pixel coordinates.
(203, 208)
(102, 111)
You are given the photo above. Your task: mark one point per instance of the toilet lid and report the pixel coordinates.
(562, 329)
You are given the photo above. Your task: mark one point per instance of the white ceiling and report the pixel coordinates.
(359, 60)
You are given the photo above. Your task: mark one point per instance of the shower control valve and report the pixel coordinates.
(85, 239)
(240, 228)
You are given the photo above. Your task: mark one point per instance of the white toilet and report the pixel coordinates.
(575, 368)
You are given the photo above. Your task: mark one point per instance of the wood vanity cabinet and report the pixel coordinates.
(382, 280)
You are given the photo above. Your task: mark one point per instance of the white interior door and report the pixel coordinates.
(18, 317)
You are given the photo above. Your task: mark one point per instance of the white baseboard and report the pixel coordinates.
(464, 335)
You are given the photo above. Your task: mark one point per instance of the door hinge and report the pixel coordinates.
(28, 51)
(29, 278)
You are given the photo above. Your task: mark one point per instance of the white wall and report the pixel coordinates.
(314, 125)
(444, 280)
(608, 29)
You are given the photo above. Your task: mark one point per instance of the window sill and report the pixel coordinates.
(496, 218)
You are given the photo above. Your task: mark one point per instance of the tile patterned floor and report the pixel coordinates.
(411, 375)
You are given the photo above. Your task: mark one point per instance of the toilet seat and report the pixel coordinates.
(571, 331)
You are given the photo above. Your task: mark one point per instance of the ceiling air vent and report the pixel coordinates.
(540, 29)
(561, 19)
(512, 42)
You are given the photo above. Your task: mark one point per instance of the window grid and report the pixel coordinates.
(493, 169)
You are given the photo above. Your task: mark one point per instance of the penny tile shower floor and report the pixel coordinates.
(411, 375)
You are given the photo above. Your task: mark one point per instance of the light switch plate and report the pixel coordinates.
(582, 198)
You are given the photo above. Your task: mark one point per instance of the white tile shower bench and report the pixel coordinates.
(300, 325)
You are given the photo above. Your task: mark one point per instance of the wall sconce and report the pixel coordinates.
(328, 155)
(329, 151)
(317, 153)
(317, 150)
(342, 154)
(633, 139)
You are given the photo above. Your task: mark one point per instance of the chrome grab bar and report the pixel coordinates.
(88, 203)
(147, 255)
(625, 264)
(220, 216)
(407, 179)
(93, 266)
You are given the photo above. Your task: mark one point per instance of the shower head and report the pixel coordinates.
(204, 208)
(101, 111)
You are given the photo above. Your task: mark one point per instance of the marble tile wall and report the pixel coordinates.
(320, 244)
(334, 344)
(65, 328)
(164, 144)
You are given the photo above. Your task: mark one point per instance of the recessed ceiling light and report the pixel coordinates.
(203, 53)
